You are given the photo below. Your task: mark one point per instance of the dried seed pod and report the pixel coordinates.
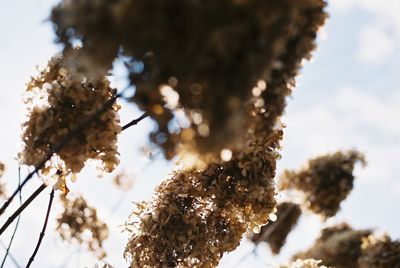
(198, 215)
(379, 252)
(2, 185)
(310, 263)
(276, 232)
(229, 74)
(58, 100)
(338, 246)
(2, 168)
(123, 181)
(326, 181)
(79, 223)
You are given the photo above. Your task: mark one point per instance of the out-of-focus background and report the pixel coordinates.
(347, 97)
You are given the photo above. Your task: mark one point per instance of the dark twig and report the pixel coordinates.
(61, 145)
(43, 186)
(43, 229)
(135, 121)
(16, 225)
(22, 207)
(264, 236)
(12, 258)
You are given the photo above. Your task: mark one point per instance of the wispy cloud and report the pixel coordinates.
(380, 37)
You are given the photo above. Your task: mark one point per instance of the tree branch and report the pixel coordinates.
(264, 236)
(22, 207)
(43, 229)
(11, 256)
(135, 121)
(17, 224)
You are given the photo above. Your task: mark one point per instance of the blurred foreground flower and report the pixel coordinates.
(228, 74)
(380, 252)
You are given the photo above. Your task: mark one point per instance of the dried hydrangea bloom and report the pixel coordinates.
(79, 223)
(198, 215)
(380, 252)
(226, 73)
(275, 233)
(58, 100)
(123, 181)
(325, 181)
(338, 246)
(310, 263)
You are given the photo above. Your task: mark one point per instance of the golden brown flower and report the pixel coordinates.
(58, 100)
(326, 181)
(379, 252)
(79, 223)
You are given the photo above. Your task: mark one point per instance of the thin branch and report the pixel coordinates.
(22, 207)
(43, 186)
(264, 236)
(135, 121)
(17, 224)
(61, 145)
(43, 229)
(12, 258)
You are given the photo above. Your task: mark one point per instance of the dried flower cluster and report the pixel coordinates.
(338, 246)
(275, 233)
(229, 74)
(198, 215)
(310, 263)
(325, 181)
(2, 185)
(59, 99)
(380, 253)
(79, 222)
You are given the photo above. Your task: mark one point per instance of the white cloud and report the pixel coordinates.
(349, 118)
(379, 39)
(376, 45)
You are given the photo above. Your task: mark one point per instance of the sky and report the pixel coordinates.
(348, 96)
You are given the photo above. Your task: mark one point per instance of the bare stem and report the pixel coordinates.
(135, 121)
(12, 258)
(17, 224)
(265, 236)
(43, 229)
(61, 145)
(22, 207)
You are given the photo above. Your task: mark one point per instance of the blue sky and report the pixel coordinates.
(348, 96)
